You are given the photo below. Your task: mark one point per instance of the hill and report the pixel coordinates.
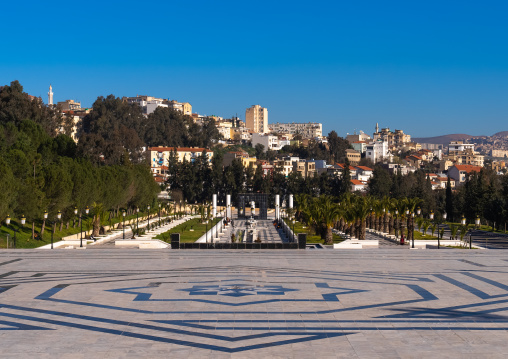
(444, 140)
(500, 134)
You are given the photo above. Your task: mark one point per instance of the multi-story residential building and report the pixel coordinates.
(357, 185)
(69, 105)
(159, 156)
(441, 182)
(459, 172)
(353, 156)
(498, 166)
(285, 166)
(183, 107)
(377, 151)
(77, 119)
(363, 173)
(149, 103)
(305, 168)
(270, 142)
(306, 130)
(256, 119)
(229, 157)
(360, 146)
(466, 157)
(499, 153)
(459, 146)
(397, 139)
(362, 136)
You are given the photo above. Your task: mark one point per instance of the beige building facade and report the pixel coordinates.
(256, 119)
(306, 130)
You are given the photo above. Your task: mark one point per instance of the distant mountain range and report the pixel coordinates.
(446, 139)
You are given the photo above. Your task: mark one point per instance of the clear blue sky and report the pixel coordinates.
(427, 67)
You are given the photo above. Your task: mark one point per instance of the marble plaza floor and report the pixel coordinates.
(254, 304)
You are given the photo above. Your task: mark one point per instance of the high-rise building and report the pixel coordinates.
(256, 119)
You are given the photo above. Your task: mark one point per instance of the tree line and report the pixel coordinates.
(42, 169)
(483, 194)
(116, 132)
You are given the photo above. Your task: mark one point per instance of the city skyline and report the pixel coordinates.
(430, 70)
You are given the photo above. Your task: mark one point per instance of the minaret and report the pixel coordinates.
(50, 96)
(377, 127)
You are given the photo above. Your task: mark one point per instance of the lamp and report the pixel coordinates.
(123, 225)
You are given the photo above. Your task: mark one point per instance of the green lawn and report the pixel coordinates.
(190, 231)
(419, 235)
(311, 235)
(24, 234)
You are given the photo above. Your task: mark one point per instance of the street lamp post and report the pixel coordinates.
(477, 226)
(87, 210)
(444, 223)
(206, 231)
(411, 229)
(123, 225)
(211, 229)
(293, 229)
(7, 222)
(137, 221)
(45, 216)
(59, 217)
(81, 233)
(431, 217)
(396, 223)
(148, 227)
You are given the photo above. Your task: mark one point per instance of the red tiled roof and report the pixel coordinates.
(343, 165)
(365, 168)
(468, 168)
(357, 182)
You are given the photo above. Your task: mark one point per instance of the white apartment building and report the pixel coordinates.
(459, 146)
(149, 103)
(268, 141)
(376, 151)
(256, 119)
(306, 130)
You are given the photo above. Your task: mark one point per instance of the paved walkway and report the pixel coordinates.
(254, 304)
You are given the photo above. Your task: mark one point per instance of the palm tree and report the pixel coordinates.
(411, 204)
(98, 217)
(361, 211)
(425, 226)
(453, 231)
(327, 212)
(433, 229)
(419, 223)
(301, 204)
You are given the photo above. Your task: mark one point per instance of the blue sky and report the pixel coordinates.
(427, 67)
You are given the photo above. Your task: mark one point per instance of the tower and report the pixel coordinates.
(377, 127)
(50, 96)
(256, 119)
